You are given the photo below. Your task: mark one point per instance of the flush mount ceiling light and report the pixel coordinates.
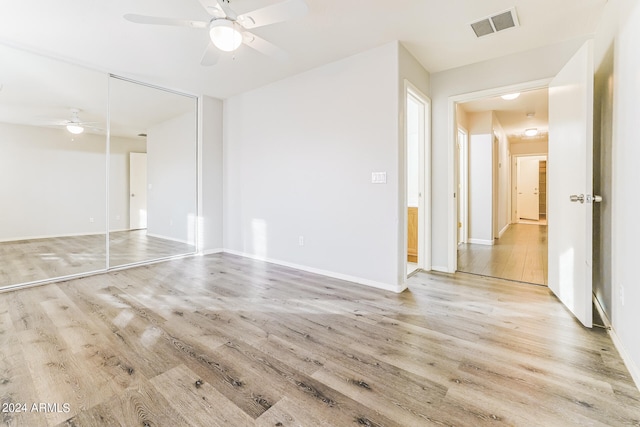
(75, 129)
(224, 35)
(510, 96)
(531, 132)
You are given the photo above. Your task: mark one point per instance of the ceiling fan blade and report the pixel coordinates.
(278, 12)
(153, 20)
(210, 56)
(224, 5)
(263, 46)
(213, 8)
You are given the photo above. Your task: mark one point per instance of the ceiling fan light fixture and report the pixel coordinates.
(224, 35)
(531, 132)
(510, 96)
(75, 129)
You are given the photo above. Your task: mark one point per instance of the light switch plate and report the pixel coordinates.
(378, 177)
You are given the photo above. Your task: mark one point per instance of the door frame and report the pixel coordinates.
(424, 214)
(462, 181)
(452, 130)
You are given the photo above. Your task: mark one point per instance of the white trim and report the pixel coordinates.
(173, 239)
(628, 361)
(633, 369)
(424, 208)
(452, 226)
(481, 242)
(340, 276)
(462, 193)
(439, 268)
(211, 251)
(504, 230)
(51, 236)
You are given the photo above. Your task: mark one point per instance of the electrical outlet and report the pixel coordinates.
(117, 217)
(301, 240)
(91, 220)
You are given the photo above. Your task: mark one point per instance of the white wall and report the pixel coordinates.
(503, 195)
(298, 157)
(480, 185)
(529, 147)
(621, 28)
(513, 69)
(51, 183)
(480, 188)
(210, 203)
(171, 174)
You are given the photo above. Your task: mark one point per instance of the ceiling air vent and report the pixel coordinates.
(498, 22)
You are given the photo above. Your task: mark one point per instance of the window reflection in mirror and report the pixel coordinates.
(52, 168)
(152, 173)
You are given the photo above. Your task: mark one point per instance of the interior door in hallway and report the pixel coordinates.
(570, 169)
(528, 199)
(137, 191)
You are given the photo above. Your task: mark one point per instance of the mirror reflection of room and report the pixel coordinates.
(69, 176)
(52, 168)
(152, 173)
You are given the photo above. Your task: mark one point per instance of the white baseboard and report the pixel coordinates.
(173, 239)
(440, 269)
(481, 241)
(628, 362)
(504, 230)
(631, 366)
(50, 236)
(332, 274)
(211, 251)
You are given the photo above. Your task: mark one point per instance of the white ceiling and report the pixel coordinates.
(512, 114)
(436, 32)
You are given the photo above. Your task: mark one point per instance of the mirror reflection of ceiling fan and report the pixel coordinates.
(228, 30)
(73, 125)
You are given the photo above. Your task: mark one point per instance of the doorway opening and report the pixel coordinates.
(417, 180)
(529, 189)
(500, 204)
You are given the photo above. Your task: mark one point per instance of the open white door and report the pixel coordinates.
(528, 181)
(570, 169)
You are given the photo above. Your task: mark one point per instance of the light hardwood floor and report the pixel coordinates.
(24, 261)
(520, 254)
(227, 341)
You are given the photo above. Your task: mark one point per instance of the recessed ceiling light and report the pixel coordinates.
(531, 132)
(510, 96)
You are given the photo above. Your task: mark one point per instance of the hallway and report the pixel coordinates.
(520, 254)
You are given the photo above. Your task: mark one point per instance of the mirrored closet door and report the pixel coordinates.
(96, 171)
(52, 168)
(152, 173)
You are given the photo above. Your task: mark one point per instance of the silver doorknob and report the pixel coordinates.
(594, 199)
(577, 198)
(133, 195)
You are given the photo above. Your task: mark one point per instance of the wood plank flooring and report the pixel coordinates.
(520, 254)
(25, 261)
(227, 341)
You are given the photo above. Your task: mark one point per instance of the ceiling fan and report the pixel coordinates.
(73, 125)
(228, 30)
